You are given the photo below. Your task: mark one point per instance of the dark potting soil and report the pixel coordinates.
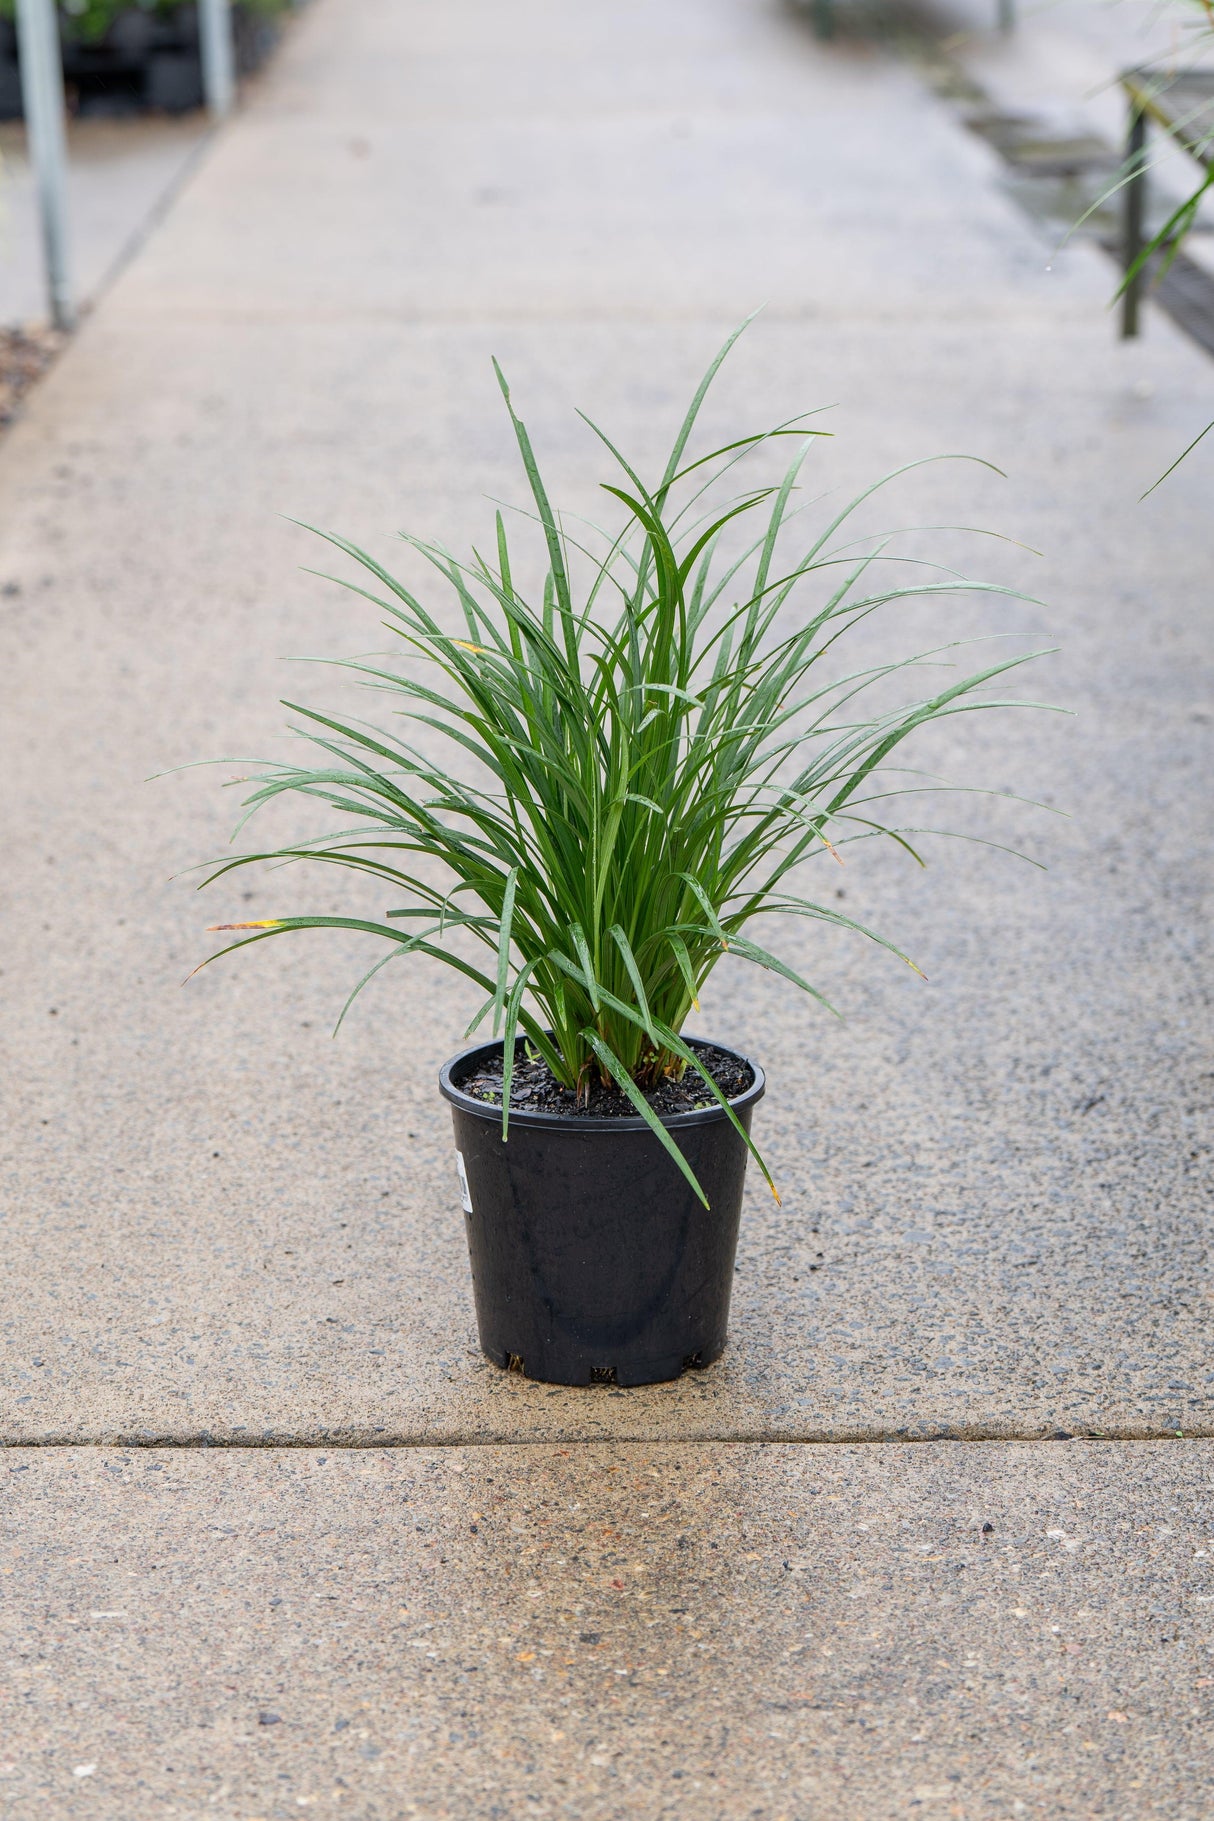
(534, 1088)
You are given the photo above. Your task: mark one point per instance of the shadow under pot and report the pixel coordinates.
(593, 1260)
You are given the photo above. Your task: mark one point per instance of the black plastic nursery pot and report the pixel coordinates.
(593, 1260)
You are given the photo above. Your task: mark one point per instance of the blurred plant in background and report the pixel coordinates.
(89, 20)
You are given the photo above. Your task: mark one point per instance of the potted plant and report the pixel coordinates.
(638, 762)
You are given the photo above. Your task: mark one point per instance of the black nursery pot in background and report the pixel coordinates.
(593, 1260)
(144, 60)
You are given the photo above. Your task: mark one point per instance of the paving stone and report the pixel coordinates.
(981, 1630)
(216, 1222)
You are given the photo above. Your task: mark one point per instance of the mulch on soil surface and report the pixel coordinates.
(25, 354)
(534, 1089)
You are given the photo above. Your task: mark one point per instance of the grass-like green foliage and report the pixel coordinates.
(655, 757)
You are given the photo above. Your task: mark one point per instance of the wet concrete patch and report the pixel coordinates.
(600, 1632)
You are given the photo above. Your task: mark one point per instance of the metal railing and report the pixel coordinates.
(1180, 104)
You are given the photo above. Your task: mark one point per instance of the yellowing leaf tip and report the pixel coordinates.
(262, 923)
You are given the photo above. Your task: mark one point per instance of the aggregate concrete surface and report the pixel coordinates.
(217, 1221)
(218, 1226)
(792, 1632)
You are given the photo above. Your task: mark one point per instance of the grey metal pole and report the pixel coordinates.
(218, 63)
(1133, 198)
(42, 99)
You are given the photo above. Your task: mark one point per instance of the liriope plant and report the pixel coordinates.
(655, 754)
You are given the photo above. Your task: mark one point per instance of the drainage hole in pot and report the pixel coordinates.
(694, 1362)
(603, 1375)
(514, 1363)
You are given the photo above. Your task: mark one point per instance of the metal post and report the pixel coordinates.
(1007, 15)
(1132, 208)
(42, 99)
(218, 64)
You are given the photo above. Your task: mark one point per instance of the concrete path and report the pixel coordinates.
(220, 1226)
(121, 174)
(837, 1633)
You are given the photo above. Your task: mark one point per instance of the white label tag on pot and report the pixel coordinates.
(463, 1183)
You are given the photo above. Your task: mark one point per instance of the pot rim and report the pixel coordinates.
(586, 1122)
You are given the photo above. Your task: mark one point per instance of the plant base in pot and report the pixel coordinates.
(593, 1259)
